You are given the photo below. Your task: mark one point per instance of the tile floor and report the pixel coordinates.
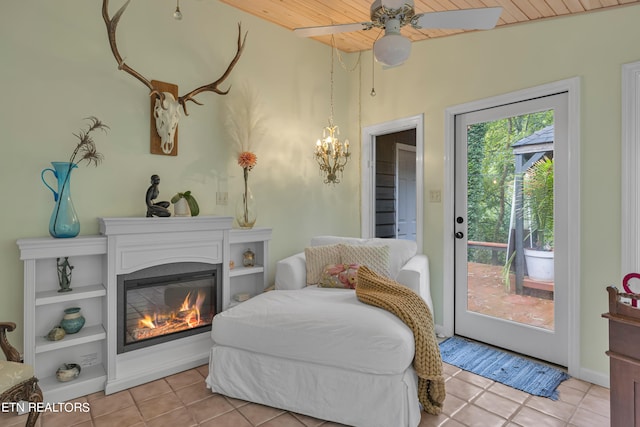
(182, 400)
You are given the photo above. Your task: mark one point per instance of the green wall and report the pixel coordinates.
(450, 71)
(57, 68)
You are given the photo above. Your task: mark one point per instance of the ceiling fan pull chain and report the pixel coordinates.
(373, 69)
(373, 76)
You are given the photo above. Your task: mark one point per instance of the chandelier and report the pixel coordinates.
(331, 154)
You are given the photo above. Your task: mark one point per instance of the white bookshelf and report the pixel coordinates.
(44, 307)
(249, 280)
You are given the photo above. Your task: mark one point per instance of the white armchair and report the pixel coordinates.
(407, 267)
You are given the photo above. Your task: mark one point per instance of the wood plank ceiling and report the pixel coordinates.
(292, 14)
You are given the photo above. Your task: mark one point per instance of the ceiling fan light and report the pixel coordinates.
(392, 49)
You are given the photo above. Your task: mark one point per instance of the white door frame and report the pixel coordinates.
(572, 87)
(630, 237)
(368, 161)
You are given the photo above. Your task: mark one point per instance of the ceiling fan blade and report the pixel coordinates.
(331, 29)
(467, 19)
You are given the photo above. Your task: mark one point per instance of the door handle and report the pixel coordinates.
(459, 235)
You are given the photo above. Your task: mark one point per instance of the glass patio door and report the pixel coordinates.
(510, 273)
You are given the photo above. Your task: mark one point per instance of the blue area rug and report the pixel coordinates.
(506, 368)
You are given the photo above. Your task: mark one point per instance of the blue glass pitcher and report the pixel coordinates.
(64, 220)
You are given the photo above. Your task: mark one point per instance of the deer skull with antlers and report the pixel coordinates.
(167, 107)
(166, 113)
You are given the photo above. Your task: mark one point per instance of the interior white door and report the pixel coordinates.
(488, 306)
(406, 191)
(368, 171)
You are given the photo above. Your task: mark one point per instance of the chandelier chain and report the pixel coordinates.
(341, 60)
(331, 94)
(331, 154)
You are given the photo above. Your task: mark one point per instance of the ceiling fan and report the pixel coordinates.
(391, 15)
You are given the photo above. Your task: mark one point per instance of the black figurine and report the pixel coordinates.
(64, 274)
(158, 208)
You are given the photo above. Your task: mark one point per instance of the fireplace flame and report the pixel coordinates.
(146, 322)
(188, 313)
(185, 303)
(193, 310)
(199, 302)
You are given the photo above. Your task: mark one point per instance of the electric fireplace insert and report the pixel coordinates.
(166, 302)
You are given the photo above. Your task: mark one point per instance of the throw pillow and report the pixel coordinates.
(400, 251)
(339, 276)
(316, 258)
(374, 257)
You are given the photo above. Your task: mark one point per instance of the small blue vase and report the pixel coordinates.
(64, 220)
(72, 321)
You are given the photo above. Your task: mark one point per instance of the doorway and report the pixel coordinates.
(409, 132)
(395, 185)
(511, 334)
(508, 166)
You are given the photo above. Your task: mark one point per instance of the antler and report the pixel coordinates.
(112, 23)
(213, 87)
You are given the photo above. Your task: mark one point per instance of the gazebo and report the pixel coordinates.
(527, 151)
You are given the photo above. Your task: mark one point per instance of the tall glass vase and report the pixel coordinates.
(246, 213)
(64, 220)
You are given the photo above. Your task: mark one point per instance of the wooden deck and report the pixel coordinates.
(529, 284)
(535, 284)
(487, 294)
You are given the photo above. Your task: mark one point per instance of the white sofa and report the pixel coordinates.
(320, 352)
(407, 267)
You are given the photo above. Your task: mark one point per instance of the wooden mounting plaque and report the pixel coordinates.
(155, 144)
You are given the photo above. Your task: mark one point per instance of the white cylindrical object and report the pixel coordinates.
(392, 49)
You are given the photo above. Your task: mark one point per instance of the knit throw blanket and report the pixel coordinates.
(413, 311)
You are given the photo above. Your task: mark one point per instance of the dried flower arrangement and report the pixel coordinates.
(245, 125)
(85, 151)
(247, 160)
(245, 122)
(86, 146)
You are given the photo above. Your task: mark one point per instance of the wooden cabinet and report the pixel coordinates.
(624, 360)
(249, 281)
(44, 307)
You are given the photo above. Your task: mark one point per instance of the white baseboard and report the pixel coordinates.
(440, 331)
(594, 377)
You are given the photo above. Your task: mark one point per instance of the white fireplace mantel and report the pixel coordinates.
(141, 225)
(137, 243)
